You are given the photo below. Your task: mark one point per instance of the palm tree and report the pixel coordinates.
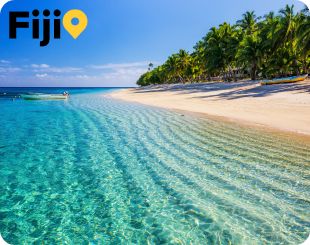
(288, 23)
(248, 22)
(303, 36)
(214, 52)
(230, 38)
(151, 65)
(199, 61)
(183, 65)
(249, 54)
(277, 45)
(287, 33)
(169, 68)
(267, 31)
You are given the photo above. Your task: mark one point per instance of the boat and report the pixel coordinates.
(293, 79)
(63, 96)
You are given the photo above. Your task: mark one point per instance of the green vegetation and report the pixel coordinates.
(255, 47)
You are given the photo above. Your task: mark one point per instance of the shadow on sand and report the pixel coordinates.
(229, 91)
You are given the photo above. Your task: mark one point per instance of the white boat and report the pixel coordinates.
(45, 96)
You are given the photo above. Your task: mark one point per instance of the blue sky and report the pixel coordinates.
(122, 37)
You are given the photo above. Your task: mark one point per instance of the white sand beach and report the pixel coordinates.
(282, 107)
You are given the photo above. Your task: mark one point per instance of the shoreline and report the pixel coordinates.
(281, 108)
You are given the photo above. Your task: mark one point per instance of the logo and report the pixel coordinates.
(74, 21)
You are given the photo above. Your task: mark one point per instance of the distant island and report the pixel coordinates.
(271, 46)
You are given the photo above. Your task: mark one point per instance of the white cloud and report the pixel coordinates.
(122, 76)
(6, 70)
(52, 69)
(111, 74)
(44, 75)
(121, 65)
(5, 62)
(40, 66)
(84, 77)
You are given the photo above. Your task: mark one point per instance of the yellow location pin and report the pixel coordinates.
(75, 30)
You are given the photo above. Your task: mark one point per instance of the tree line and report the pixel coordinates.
(272, 46)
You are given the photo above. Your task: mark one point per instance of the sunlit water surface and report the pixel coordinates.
(101, 171)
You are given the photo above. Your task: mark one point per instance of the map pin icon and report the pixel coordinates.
(75, 29)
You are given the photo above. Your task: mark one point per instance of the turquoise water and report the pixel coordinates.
(93, 170)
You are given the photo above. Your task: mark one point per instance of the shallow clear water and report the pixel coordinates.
(102, 171)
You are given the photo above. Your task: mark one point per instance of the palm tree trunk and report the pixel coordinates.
(304, 65)
(253, 72)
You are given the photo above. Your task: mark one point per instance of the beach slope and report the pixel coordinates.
(283, 107)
